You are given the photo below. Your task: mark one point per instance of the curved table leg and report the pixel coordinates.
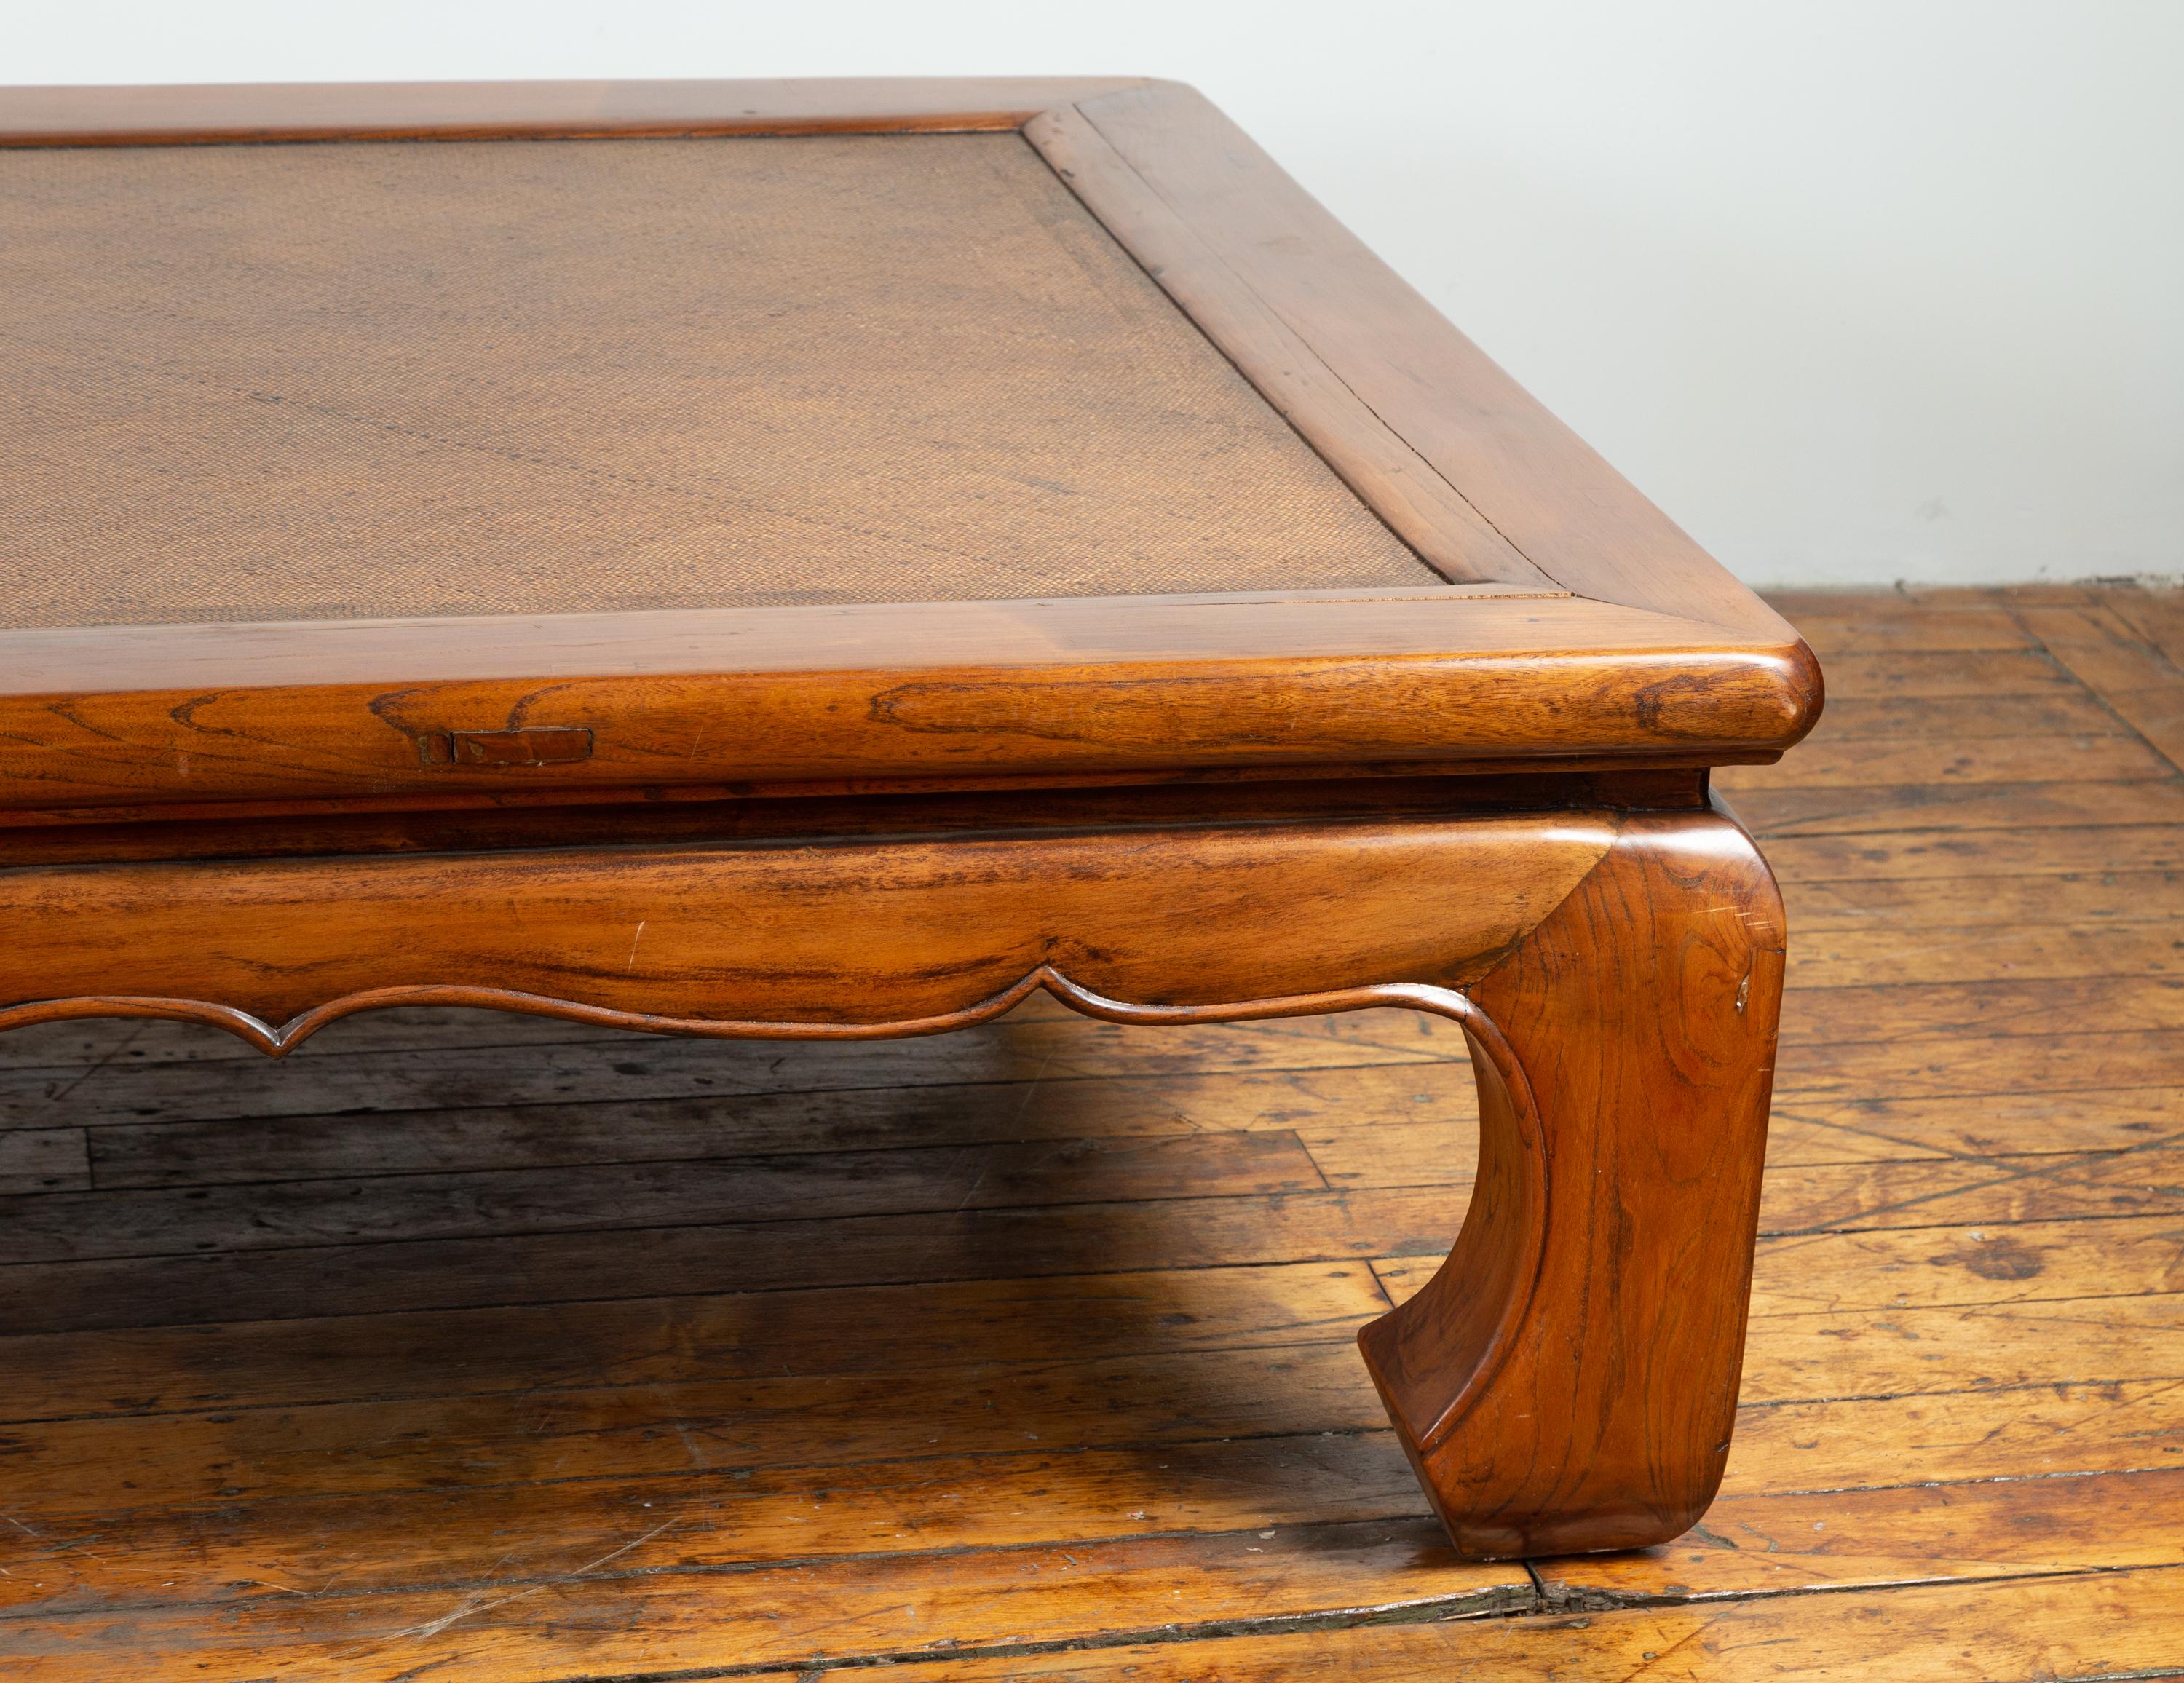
(1567, 1381)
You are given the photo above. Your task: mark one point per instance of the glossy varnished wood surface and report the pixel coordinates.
(1568, 1381)
(135, 715)
(871, 935)
(528, 1353)
(1605, 635)
(1631, 953)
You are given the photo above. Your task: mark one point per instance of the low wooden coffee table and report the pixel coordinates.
(825, 560)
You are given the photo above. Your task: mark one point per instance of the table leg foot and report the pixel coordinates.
(1567, 1381)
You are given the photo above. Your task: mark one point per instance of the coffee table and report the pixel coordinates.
(826, 560)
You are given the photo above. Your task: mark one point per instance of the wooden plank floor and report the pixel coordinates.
(472, 1347)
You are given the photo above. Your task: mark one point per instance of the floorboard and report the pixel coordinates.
(472, 1346)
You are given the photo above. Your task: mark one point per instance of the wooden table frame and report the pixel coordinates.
(1486, 799)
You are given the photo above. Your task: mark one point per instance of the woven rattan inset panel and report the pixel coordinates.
(303, 382)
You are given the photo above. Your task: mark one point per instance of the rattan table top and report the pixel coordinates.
(369, 380)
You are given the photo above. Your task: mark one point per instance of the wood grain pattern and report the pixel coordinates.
(2076, 1626)
(1569, 1380)
(779, 815)
(859, 939)
(1673, 663)
(234, 1445)
(1147, 685)
(853, 942)
(2132, 672)
(1483, 803)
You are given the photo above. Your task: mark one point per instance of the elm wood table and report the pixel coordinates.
(823, 560)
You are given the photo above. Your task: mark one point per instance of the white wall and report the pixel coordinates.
(1858, 291)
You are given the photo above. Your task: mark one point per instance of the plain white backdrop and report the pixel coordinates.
(1858, 291)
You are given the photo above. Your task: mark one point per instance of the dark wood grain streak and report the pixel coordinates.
(1150, 686)
(857, 938)
(775, 815)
